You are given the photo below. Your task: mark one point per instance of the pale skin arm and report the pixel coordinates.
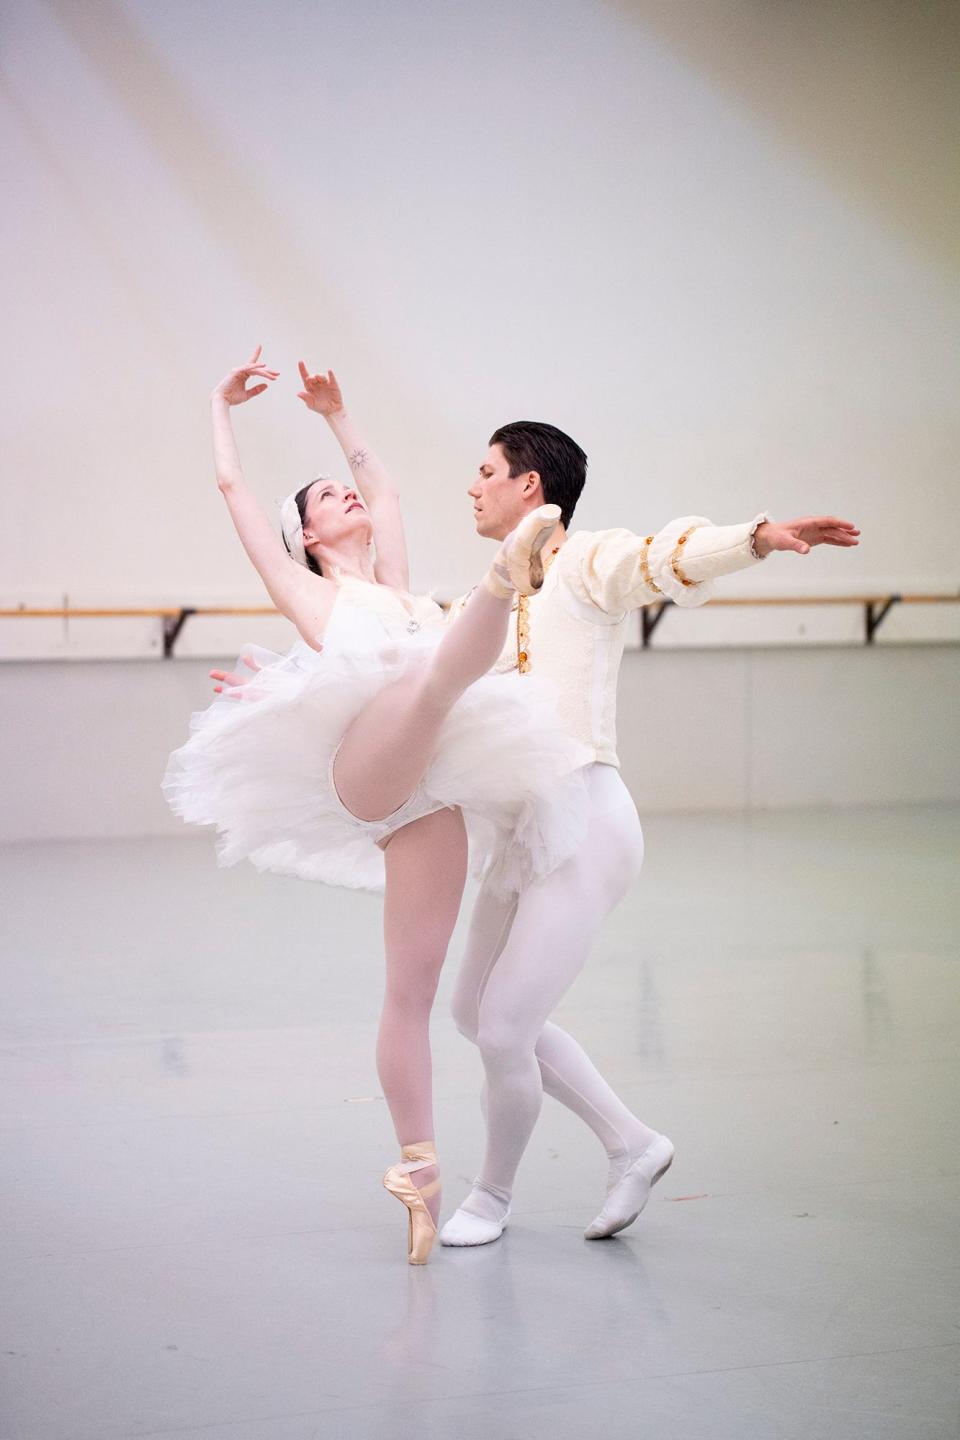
(285, 580)
(321, 394)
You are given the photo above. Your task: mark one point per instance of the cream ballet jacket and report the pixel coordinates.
(573, 629)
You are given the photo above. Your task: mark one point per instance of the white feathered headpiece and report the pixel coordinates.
(291, 526)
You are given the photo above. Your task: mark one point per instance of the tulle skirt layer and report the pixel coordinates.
(258, 760)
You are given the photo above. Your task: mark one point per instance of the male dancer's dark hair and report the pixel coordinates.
(558, 460)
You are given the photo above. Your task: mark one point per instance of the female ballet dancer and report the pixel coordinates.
(364, 755)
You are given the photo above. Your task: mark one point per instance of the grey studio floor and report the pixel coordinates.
(196, 1242)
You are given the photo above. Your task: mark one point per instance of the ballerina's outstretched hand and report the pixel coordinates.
(234, 686)
(321, 393)
(233, 386)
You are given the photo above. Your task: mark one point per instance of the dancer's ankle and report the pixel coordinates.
(423, 1178)
(632, 1147)
(487, 1202)
(480, 1219)
(630, 1193)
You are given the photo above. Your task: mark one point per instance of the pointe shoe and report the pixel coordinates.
(421, 1230)
(632, 1191)
(518, 565)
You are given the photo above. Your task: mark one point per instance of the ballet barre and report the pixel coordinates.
(174, 617)
(876, 608)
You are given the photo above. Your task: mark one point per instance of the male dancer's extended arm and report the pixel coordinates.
(618, 570)
(321, 393)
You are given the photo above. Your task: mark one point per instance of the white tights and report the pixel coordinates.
(521, 958)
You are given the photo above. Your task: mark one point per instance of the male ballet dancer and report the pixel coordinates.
(522, 957)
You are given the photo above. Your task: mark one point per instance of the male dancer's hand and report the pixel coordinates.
(320, 393)
(802, 535)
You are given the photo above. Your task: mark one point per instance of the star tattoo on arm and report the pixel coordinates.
(358, 459)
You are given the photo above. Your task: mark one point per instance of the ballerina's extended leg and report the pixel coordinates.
(385, 752)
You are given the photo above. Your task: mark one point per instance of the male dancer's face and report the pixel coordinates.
(500, 500)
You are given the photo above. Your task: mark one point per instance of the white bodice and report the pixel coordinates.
(412, 613)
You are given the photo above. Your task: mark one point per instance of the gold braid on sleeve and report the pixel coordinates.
(523, 618)
(523, 634)
(678, 551)
(648, 579)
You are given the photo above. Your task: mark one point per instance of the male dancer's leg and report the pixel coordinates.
(521, 958)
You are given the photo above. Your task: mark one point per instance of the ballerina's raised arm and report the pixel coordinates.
(321, 393)
(303, 596)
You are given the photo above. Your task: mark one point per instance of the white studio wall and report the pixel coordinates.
(86, 744)
(717, 243)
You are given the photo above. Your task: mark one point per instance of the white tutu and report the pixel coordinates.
(259, 767)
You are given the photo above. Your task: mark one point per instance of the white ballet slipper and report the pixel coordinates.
(632, 1191)
(464, 1228)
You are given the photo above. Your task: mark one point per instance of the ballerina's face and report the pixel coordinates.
(500, 500)
(335, 513)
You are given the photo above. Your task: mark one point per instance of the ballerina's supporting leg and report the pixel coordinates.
(380, 761)
(379, 764)
(426, 866)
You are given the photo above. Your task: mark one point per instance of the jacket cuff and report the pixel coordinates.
(760, 520)
(707, 552)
